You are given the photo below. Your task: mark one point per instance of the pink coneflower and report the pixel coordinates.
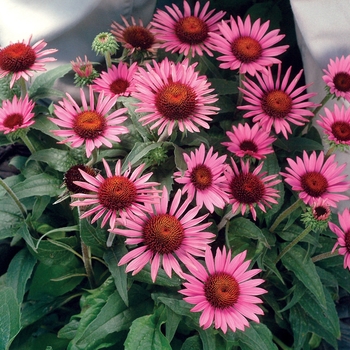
(186, 33)
(277, 103)
(343, 233)
(336, 125)
(135, 36)
(16, 114)
(223, 290)
(164, 234)
(337, 77)
(20, 59)
(316, 177)
(247, 47)
(84, 71)
(118, 80)
(90, 124)
(174, 94)
(203, 178)
(248, 189)
(117, 195)
(317, 215)
(249, 142)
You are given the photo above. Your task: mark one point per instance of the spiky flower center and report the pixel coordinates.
(163, 233)
(89, 124)
(342, 81)
(73, 174)
(176, 101)
(276, 104)
(117, 193)
(138, 37)
(341, 131)
(314, 183)
(201, 177)
(17, 57)
(119, 86)
(221, 290)
(191, 30)
(248, 145)
(347, 241)
(246, 49)
(321, 212)
(13, 120)
(247, 188)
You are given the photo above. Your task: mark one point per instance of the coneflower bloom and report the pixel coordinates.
(246, 46)
(135, 36)
(249, 189)
(174, 94)
(317, 215)
(185, 32)
(336, 125)
(16, 114)
(21, 59)
(163, 235)
(317, 177)
(203, 178)
(246, 141)
(223, 290)
(337, 77)
(117, 195)
(277, 103)
(118, 80)
(90, 124)
(343, 233)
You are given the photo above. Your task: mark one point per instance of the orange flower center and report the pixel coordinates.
(314, 183)
(248, 145)
(138, 37)
(342, 81)
(247, 188)
(191, 30)
(176, 101)
(276, 104)
(17, 57)
(13, 120)
(117, 193)
(73, 174)
(163, 233)
(246, 49)
(201, 177)
(119, 86)
(221, 290)
(89, 124)
(341, 131)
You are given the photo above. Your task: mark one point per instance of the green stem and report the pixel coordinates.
(86, 251)
(164, 135)
(225, 220)
(323, 102)
(240, 93)
(93, 159)
(285, 214)
(108, 59)
(325, 256)
(23, 86)
(14, 197)
(330, 151)
(281, 344)
(28, 143)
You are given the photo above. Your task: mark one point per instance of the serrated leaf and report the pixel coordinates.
(10, 217)
(45, 125)
(172, 321)
(92, 236)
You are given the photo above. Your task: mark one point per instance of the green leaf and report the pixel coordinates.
(19, 272)
(9, 317)
(39, 206)
(45, 125)
(299, 326)
(192, 343)
(224, 87)
(299, 144)
(25, 234)
(172, 322)
(91, 236)
(297, 261)
(10, 217)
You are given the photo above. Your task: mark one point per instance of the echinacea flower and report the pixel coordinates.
(336, 125)
(203, 178)
(105, 44)
(317, 215)
(247, 47)
(118, 80)
(277, 103)
(343, 233)
(135, 36)
(248, 189)
(84, 71)
(90, 124)
(16, 114)
(185, 32)
(21, 59)
(174, 94)
(117, 195)
(223, 290)
(164, 234)
(337, 77)
(246, 141)
(316, 177)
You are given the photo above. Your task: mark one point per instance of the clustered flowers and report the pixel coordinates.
(169, 228)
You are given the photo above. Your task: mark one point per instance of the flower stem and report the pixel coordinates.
(14, 197)
(325, 256)
(108, 59)
(225, 219)
(330, 151)
(163, 136)
(240, 93)
(323, 102)
(93, 159)
(281, 344)
(28, 143)
(285, 214)
(86, 251)
(23, 86)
